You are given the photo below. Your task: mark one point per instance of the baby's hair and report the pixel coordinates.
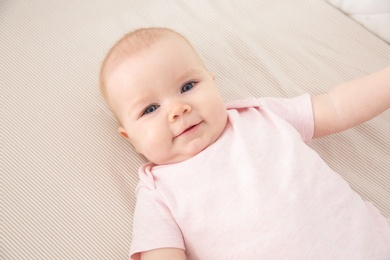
(128, 45)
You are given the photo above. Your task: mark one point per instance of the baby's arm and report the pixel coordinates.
(163, 253)
(351, 103)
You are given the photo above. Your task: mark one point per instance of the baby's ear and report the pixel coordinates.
(122, 132)
(212, 75)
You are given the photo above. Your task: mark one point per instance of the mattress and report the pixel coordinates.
(68, 178)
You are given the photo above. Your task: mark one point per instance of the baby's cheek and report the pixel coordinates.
(153, 136)
(156, 142)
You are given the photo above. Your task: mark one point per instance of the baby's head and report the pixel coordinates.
(166, 102)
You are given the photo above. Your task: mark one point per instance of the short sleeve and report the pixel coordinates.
(296, 111)
(153, 224)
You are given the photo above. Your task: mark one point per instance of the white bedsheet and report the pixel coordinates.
(372, 14)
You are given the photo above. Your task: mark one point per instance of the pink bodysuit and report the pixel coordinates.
(258, 192)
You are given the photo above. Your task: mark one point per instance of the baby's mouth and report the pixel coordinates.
(188, 129)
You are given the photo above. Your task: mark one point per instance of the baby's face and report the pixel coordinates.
(167, 101)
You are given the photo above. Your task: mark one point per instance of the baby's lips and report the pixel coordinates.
(187, 129)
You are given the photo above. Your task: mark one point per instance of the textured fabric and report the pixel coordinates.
(258, 192)
(68, 179)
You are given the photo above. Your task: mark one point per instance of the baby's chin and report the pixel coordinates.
(176, 159)
(191, 150)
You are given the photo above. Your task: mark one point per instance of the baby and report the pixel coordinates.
(236, 180)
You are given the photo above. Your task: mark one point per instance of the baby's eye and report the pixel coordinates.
(188, 86)
(150, 109)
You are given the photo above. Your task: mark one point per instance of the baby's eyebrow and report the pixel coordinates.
(189, 73)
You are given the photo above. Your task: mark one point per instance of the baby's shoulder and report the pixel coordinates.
(237, 104)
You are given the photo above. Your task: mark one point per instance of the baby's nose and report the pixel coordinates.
(178, 109)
